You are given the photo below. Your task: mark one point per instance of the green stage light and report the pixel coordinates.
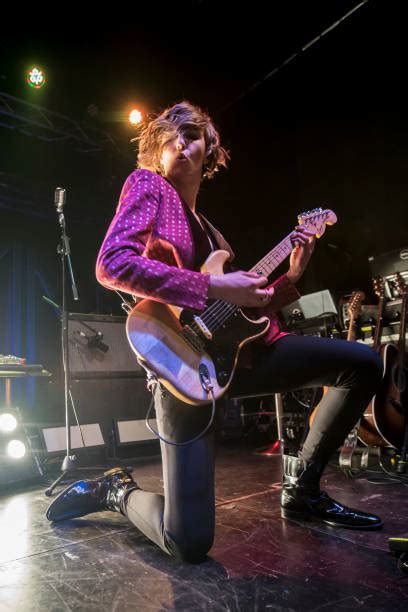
(36, 77)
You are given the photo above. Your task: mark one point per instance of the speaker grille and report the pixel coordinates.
(98, 347)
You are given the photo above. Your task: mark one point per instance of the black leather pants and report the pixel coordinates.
(182, 522)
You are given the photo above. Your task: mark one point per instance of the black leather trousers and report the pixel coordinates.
(182, 521)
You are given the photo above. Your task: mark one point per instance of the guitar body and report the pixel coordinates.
(388, 405)
(368, 432)
(155, 333)
(385, 417)
(382, 423)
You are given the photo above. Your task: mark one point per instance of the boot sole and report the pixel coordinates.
(292, 515)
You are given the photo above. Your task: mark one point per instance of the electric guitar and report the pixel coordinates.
(194, 355)
(390, 404)
(368, 431)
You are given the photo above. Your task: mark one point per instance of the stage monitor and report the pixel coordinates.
(310, 306)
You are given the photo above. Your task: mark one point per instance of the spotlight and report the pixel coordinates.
(36, 77)
(8, 422)
(16, 449)
(20, 449)
(135, 116)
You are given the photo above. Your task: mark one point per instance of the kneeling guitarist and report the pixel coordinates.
(188, 330)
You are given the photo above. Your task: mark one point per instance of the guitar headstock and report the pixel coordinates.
(378, 286)
(400, 285)
(316, 220)
(354, 305)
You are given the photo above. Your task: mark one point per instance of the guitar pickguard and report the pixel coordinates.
(224, 345)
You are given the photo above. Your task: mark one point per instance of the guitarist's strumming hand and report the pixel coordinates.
(240, 288)
(304, 243)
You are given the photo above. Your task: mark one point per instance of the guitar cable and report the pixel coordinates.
(152, 384)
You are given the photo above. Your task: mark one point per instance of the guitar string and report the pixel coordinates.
(220, 311)
(265, 266)
(216, 314)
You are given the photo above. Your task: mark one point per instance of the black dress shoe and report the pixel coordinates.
(109, 492)
(301, 499)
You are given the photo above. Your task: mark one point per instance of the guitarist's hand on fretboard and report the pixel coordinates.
(304, 244)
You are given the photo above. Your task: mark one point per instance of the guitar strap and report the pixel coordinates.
(221, 242)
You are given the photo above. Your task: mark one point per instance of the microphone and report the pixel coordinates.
(95, 342)
(59, 198)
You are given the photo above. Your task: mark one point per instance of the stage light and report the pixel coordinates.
(20, 449)
(36, 77)
(135, 116)
(8, 422)
(16, 449)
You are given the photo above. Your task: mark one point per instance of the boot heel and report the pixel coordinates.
(295, 514)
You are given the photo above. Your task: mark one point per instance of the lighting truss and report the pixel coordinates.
(49, 126)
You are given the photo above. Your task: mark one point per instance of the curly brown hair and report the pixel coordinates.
(157, 131)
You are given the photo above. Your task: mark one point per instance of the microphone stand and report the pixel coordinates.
(70, 461)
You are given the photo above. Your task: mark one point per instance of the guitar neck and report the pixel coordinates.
(274, 258)
(351, 332)
(401, 341)
(378, 327)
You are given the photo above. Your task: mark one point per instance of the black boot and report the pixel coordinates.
(109, 492)
(301, 498)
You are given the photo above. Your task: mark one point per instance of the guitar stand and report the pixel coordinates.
(402, 458)
(276, 447)
(352, 459)
(399, 548)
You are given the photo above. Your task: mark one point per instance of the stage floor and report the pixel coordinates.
(258, 561)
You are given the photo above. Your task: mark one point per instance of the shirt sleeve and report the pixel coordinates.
(285, 293)
(121, 263)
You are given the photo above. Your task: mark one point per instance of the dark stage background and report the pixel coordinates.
(330, 128)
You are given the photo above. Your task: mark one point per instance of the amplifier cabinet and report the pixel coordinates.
(105, 401)
(98, 347)
(387, 265)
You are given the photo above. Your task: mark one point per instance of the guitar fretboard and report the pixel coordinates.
(274, 258)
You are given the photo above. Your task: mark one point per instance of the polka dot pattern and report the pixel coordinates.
(148, 249)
